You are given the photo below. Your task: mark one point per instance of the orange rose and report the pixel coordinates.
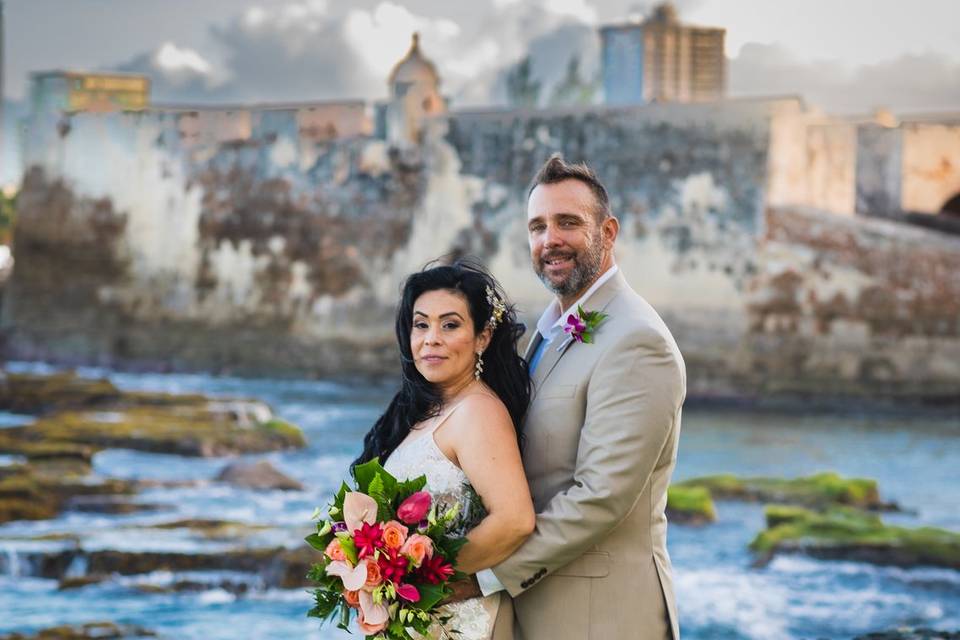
(352, 598)
(373, 573)
(334, 551)
(417, 547)
(394, 534)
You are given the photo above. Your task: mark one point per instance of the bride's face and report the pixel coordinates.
(442, 338)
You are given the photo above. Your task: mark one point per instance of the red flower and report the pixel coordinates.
(435, 570)
(415, 508)
(368, 538)
(408, 592)
(393, 565)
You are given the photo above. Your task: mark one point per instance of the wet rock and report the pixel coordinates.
(276, 566)
(257, 475)
(88, 631)
(81, 581)
(690, 506)
(111, 505)
(844, 533)
(214, 529)
(191, 586)
(911, 634)
(817, 491)
(37, 394)
(40, 492)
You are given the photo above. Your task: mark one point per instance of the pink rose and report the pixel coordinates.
(415, 508)
(334, 551)
(394, 534)
(417, 547)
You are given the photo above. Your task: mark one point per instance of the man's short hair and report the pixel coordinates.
(556, 169)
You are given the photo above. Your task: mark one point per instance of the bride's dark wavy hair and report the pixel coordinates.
(504, 370)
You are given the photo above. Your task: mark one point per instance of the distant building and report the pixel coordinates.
(70, 92)
(414, 86)
(661, 60)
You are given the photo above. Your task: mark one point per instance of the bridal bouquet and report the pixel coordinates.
(388, 555)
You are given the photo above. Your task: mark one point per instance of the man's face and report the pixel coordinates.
(567, 244)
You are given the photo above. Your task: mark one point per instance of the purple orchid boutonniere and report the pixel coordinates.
(582, 326)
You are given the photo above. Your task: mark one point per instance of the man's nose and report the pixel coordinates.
(551, 237)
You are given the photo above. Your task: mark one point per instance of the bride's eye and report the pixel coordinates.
(451, 325)
(419, 325)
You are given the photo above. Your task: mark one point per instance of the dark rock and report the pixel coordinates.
(257, 475)
(911, 634)
(88, 631)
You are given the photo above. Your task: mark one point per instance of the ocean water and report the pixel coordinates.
(721, 595)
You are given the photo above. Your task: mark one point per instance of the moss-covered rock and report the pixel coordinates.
(190, 429)
(87, 631)
(37, 394)
(818, 491)
(847, 533)
(690, 505)
(39, 492)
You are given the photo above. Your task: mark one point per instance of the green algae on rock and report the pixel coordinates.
(87, 631)
(846, 533)
(690, 505)
(817, 491)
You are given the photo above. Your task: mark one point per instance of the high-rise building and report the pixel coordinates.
(662, 60)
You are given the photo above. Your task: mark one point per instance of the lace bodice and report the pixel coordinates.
(419, 455)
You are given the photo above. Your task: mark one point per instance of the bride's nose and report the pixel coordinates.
(432, 337)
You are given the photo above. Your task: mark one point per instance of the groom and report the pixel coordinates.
(601, 436)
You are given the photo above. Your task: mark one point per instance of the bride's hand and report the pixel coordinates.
(464, 590)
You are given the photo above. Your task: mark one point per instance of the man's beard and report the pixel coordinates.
(586, 267)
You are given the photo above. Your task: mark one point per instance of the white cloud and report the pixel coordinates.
(579, 9)
(173, 59)
(381, 36)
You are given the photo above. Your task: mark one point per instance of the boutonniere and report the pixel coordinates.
(581, 327)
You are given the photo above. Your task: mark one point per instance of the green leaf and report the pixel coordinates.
(409, 487)
(319, 542)
(349, 547)
(366, 472)
(338, 498)
(325, 604)
(430, 595)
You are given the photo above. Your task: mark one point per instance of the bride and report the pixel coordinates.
(457, 417)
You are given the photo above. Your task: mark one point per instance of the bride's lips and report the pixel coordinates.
(432, 359)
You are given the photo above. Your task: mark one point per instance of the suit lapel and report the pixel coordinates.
(599, 301)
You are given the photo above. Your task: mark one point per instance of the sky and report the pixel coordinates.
(843, 55)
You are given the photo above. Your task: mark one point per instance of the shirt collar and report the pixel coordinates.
(552, 319)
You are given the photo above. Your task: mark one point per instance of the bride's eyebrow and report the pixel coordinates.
(442, 315)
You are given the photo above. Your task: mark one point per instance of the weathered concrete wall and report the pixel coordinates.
(269, 250)
(931, 166)
(831, 167)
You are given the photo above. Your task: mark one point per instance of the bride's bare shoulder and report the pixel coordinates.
(481, 407)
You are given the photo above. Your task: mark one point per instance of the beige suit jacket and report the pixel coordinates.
(600, 446)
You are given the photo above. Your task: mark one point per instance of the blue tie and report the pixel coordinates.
(535, 358)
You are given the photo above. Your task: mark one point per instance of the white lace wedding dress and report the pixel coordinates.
(419, 455)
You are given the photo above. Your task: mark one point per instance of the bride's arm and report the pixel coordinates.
(485, 444)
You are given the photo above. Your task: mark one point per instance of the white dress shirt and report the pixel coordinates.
(549, 326)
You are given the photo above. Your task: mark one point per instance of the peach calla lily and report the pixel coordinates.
(357, 509)
(353, 577)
